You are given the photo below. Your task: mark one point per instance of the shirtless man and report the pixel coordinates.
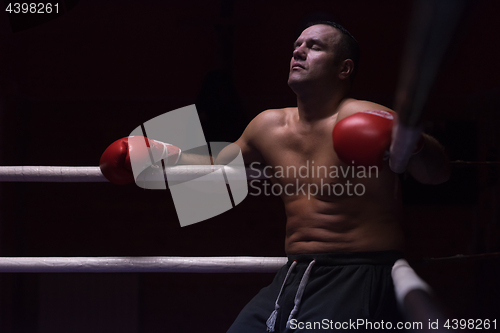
(353, 239)
(341, 246)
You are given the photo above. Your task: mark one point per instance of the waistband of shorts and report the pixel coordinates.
(348, 258)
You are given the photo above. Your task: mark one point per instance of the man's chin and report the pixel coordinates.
(295, 83)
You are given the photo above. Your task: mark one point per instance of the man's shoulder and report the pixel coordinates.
(262, 130)
(351, 106)
(274, 117)
(266, 122)
(277, 114)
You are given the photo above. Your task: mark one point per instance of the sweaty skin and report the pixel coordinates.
(328, 221)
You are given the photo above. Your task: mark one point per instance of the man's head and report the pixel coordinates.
(348, 47)
(325, 53)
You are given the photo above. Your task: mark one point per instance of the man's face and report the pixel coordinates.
(314, 54)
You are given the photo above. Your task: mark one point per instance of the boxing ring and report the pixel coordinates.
(414, 295)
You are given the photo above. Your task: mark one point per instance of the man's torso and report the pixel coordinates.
(331, 206)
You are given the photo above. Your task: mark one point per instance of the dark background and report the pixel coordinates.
(71, 86)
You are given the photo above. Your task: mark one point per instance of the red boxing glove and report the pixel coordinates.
(115, 162)
(363, 138)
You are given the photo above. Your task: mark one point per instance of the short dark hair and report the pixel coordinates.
(348, 45)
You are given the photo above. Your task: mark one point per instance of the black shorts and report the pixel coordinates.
(349, 291)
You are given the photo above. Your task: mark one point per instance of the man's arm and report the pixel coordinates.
(194, 159)
(430, 165)
(247, 142)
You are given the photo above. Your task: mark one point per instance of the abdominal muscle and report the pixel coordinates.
(343, 224)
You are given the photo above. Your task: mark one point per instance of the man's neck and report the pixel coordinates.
(315, 107)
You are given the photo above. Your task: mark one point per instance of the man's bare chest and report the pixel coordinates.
(290, 151)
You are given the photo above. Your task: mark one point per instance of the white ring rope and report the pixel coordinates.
(93, 174)
(141, 264)
(90, 174)
(50, 174)
(241, 264)
(405, 278)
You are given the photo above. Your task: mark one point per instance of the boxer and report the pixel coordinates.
(341, 247)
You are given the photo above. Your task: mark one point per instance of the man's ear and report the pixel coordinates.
(346, 69)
